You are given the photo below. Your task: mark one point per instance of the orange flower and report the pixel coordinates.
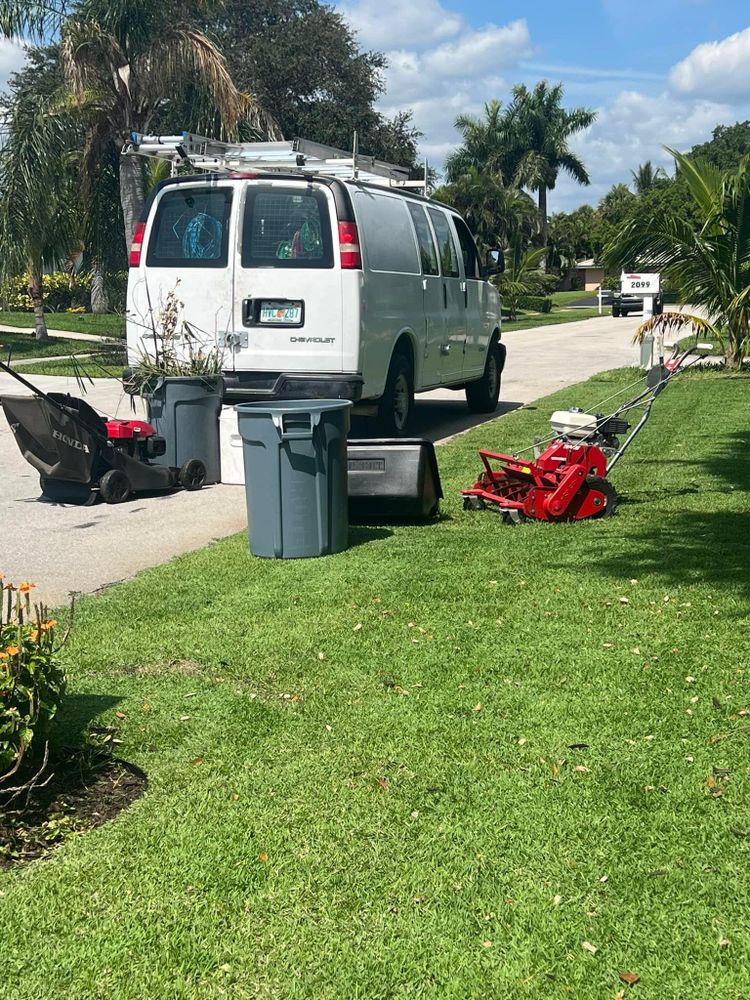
(3, 655)
(11, 650)
(46, 626)
(34, 636)
(26, 587)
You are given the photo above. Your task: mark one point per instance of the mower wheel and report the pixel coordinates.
(192, 475)
(604, 486)
(513, 516)
(114, 486)
(474, 503)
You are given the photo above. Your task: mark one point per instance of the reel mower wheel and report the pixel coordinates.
(474, 503)
(114, 486)
(604, 486)
(513, 517)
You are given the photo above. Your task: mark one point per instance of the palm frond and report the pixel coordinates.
(675, 323)
(181, 55)
(31, 21)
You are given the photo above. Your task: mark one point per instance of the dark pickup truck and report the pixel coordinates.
(632, 302)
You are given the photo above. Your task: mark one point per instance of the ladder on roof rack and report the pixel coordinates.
(292, 156)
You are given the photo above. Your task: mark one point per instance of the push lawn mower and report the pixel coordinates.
(568, 480)
(80, 456)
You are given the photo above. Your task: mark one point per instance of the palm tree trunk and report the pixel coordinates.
(36, 294)
(131, 194)
(543, 229)
(99, 297)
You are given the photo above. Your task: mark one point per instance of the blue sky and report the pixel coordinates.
(657, 72)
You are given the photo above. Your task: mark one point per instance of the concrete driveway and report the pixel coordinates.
(82, 549)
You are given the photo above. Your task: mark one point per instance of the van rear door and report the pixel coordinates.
(287, 280)
(188, 240)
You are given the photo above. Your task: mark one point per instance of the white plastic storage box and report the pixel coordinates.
(230, 446)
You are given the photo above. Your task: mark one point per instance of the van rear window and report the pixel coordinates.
(191, 228)
(289, 229)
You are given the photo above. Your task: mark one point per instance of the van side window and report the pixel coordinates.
(427, 251)
(468, 249)
(386, 235)
(191, 228)
(448, 255)
(289, 229)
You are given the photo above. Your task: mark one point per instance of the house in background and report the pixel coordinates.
(586, 275)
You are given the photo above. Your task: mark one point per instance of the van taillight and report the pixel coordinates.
(349, 246)
(136, 246)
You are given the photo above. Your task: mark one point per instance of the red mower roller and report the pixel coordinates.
(568, 480)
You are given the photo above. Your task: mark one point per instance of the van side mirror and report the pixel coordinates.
(495, 262)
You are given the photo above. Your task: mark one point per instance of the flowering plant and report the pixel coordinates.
(31, 678)
(177, 350)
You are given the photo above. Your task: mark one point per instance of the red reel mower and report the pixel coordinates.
(568, 480)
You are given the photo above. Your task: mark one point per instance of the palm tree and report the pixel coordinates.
(647, 177)
(538, 130)
(484, 145)
(496, 214)
(709, 264)
(522, 276)
(38, 204)
(123, 60)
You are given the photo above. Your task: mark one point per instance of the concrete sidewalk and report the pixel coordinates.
(83, 549)
(68, 334)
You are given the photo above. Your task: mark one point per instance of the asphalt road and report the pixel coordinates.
(82, 549)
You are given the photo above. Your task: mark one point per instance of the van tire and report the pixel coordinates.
(396, 405)
(482, 396)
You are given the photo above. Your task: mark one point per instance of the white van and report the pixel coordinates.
(321, 286)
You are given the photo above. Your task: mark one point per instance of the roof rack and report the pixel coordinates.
(295, 155)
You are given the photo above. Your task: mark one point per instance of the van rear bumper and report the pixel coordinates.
(244, 387)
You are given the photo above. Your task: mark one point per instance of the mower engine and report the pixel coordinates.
(573, 426)
(136, 438)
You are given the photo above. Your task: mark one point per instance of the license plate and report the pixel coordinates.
(283, 313)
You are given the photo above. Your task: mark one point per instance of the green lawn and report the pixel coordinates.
(102, 326)
(529, 320)
(570, 298)
(434, 765)
(21, 345)
(104, 366)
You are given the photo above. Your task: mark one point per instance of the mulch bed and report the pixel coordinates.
(88, 788)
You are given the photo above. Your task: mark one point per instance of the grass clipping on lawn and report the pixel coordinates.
(460, 760)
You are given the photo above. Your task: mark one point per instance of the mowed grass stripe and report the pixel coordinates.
(396, 810)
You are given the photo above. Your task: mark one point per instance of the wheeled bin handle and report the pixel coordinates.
(295, 426)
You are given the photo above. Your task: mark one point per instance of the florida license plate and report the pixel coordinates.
(282, 313)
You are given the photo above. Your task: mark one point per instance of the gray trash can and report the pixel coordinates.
(296, 476)
(185, 412)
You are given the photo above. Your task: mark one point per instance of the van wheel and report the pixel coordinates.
(482, 396)
(397, 402)
(615, 311)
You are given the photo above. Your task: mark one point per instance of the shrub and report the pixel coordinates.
(31, 678)
(60, 292)
(576, 284)
(535, 303)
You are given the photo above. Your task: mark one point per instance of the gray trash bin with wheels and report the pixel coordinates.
(185, 412)
(296, 476)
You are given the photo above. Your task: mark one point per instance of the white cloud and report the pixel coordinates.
(442, 81)
(386, 24)
(716, 70)
(12, 57)
(477, 52)
(632, 128)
